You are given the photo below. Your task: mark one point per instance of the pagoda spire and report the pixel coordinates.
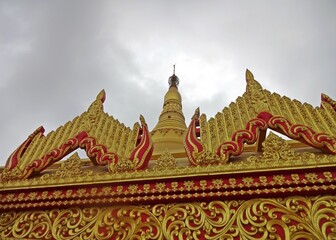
(173, 80)
(168, 132)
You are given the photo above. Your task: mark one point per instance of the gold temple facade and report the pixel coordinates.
(224, 177)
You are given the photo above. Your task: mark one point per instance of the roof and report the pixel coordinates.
(231, 145)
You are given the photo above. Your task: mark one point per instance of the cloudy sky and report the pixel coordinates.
(56, 56)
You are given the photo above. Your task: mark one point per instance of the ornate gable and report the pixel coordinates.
(105, 140)
(233, 181)
(246, 119)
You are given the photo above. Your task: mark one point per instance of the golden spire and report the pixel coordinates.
(168, 132)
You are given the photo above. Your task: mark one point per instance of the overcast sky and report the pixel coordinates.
(56, 56)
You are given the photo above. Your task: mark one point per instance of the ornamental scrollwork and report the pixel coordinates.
(294, 217)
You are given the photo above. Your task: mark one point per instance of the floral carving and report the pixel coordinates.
(69, 168)
(123, 165)
(293, 217)
(275, 149)
(165, 161)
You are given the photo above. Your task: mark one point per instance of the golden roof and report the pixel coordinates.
(232, 178)
(126, 152)
(220, 128)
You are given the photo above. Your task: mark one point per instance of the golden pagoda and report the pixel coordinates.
(171, 127)
(230, 176)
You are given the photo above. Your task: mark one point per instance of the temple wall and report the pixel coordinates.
(293, 217)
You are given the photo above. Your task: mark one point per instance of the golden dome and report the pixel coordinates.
(173, 94)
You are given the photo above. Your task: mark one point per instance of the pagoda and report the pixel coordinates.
(171, 127)
(264, 167)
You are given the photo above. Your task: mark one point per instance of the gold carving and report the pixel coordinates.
(196, 114)
(10, 175)
(165, 161)
(124, 165)
(90, 117)
(69, 168)
(234, 117)
(293, 217)
(275, 149)
(254, 164)
(106, 130)
(160, 186)
(255, 92)
(206, 157)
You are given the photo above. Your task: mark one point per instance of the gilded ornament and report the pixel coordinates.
(120, 188)
(68, 169)
(123, 165)
(188, 184)
(165, 161)
(146, 188)
(174, 185)
(81, 192)
(295, 177)
(206, 158)
(218, 183)
(203, 184)
(248, 181)
(279, 179)
(232, 182)
(10, 175)
(133, 188)
(328, 175)
(106, 190)
(160, 187)
(256, 94)
(312, 177)
(263, 180)
(276, 150)
(292, 217)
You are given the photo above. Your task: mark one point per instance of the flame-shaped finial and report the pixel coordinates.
(142, 120)
(196, 114)
(249, 75)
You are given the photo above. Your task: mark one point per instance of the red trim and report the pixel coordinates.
(53, 156)
(143, 151)
(250, 134)
(98, 153)
(15, 157)
(327, 99)
(278, 183)
(280, 124)
(192, 144)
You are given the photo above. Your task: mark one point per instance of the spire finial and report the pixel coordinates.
(173, 80)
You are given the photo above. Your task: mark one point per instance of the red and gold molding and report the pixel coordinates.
(15, 157)
(196, 151)
(98, 154)
(193, 146)
(326, 99)
(142, 153)
(293, 217)
(233, 186)
(53, 156)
